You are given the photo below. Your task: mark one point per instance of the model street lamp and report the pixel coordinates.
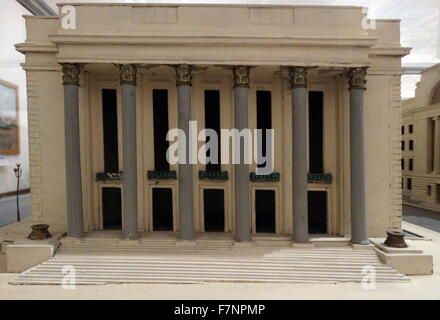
(18, 172)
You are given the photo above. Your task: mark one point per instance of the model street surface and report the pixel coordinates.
(8, 209)
(418, 221)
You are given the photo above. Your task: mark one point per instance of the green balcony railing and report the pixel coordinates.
(213, 175)
(274, 176)
(161, 175)
(319, 177)
(111, 176)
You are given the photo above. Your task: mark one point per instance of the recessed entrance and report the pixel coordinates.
(162, 209)
(214, 210)
(265, 211)
(317, 204)
(111, 208)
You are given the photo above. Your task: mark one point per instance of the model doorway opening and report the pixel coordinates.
(265, 211)
(214, 210)
(317, 203)
(111, 208)
(162, 209)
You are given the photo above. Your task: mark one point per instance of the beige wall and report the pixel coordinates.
(425, 190)
(305, 36)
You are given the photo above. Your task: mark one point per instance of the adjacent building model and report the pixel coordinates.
(106, 82)
(421, 143)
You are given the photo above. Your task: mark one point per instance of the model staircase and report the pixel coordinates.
(101, 262)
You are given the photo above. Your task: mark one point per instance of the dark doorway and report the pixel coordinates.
(317, 203)
(212, 121)
(160, 126)
(265, 211)
(111, 208)
(214, 210)
(162, 209)
(264, 118)
(316, 132)
(110, 130)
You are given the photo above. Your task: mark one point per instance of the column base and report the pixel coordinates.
(361, 243)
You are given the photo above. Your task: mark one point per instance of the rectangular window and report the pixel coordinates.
(430, 142)
(410, 128)
(160, 124)
(403, 145)
(316, 131)
(411, 144)
(111, 208)
(409, 184)
(402, 164)
(212, 121)
(110, 130)
(214, 210)
(402, 128)
(264, 117)
(162, 209)
(265, 220)
(410, 165)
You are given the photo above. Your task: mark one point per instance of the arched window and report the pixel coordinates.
(435, 97)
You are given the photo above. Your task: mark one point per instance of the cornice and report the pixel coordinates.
(390, 51)
(35, 47)
(271, 41)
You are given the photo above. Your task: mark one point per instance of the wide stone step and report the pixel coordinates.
(213, 264)
(175, 278)
(193, 263)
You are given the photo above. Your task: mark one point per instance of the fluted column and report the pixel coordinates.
(186, 205)
(298, 83)
(75, 227)
(129, 150)
(242, 205)
(357, 88)
(437, 146)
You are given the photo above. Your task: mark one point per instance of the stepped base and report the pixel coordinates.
(206, 261)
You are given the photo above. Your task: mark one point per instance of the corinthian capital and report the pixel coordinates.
(127, 74)
(241, 76)
(356, 78)
(70, 74)
(298, 77)
(183, 75)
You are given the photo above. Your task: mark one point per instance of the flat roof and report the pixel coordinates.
(177, 4)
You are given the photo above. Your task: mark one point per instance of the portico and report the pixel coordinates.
(132, 74)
